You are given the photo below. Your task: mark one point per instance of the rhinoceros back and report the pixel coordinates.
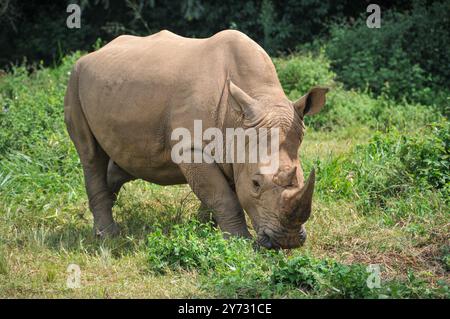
(135, 90)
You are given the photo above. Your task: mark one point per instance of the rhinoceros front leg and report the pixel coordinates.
(205, 214)
(211, 187)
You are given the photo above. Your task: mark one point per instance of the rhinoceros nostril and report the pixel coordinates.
(264, 241)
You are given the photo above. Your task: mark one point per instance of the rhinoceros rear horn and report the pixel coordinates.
(245, 103)
(304, 199)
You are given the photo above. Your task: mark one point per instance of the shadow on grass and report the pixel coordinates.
(136, 217)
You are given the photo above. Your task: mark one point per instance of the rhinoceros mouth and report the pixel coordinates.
(265, 241)
(269, 240)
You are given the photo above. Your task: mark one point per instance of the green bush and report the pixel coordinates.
(418, 161)
(36, 156)
(326, 276)
(230, 267)
(300, 72)
(405, 58)
(329, 278)
(427, 156)
(347, 108)
(399, 174)
(195, 246)
(32, 104)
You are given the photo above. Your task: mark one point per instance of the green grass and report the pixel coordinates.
(381, 198)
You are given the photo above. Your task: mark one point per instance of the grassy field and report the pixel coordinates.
(381, 198)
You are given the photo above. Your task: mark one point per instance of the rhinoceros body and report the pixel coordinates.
(135, 91)
(124, 101)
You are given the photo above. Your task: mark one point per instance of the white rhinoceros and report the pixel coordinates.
(124, 100)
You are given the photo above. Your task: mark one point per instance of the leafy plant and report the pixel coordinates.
(298, 73)
(233, 268)
(326, 277)
(397, 173)
(400, 59)
(195, 246)
(427, 156)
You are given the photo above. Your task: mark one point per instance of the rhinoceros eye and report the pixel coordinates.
(256, 185)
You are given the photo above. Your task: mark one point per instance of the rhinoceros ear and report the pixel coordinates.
(312, 102)
(245, 103)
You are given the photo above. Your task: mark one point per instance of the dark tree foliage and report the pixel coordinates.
(37, 29)
(408, 57)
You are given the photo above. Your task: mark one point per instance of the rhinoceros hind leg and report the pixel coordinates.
(93, 159)
(99, 195)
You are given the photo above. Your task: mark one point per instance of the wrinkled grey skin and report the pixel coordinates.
(124, 100)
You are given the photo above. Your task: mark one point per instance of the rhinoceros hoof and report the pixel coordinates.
(111, 230)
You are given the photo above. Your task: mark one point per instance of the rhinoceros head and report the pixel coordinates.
(278, 203)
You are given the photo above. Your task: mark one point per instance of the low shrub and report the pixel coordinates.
(31, 105)
(347, 108)
(394, 163)
(300, 72)
(234, 268)
(195, 246)
(393, 166)
(344, 108)
(427, 156)
(36, 156)
(325, 276)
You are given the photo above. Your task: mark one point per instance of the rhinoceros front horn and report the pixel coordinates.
(304, 199)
